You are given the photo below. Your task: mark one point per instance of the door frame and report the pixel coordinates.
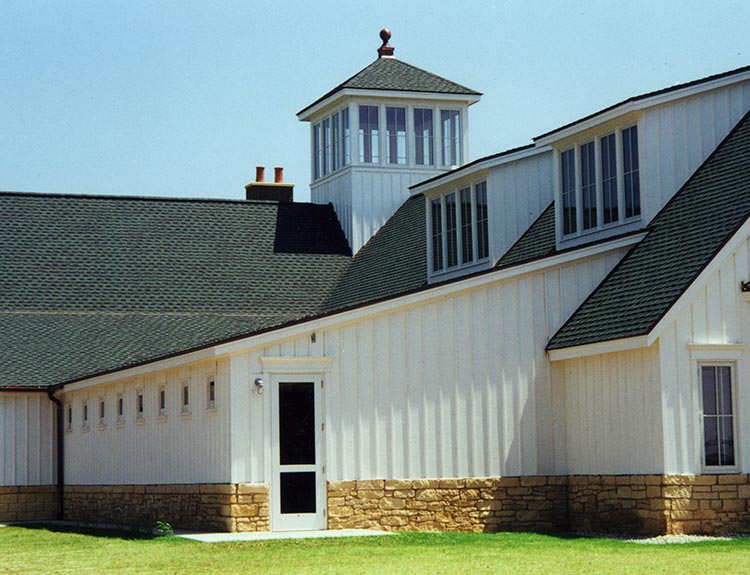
(301, 521)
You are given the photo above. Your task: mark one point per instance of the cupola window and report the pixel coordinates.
(369, 152)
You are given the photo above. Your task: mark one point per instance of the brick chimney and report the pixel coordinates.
(277, 191)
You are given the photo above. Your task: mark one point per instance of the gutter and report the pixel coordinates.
(60, 449)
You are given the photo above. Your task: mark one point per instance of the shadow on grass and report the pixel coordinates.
(122, 532)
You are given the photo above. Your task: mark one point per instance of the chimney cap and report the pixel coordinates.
(385, 50)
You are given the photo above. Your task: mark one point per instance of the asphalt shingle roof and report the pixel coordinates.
(92, 284)
(682, 240)
(537, 242)
(396, 75)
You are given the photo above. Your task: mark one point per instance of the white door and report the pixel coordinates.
(298, 490)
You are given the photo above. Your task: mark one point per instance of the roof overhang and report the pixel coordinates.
(478, 165)
(306, 114)
(641, 103)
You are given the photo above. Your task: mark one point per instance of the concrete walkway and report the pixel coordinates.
(266, 535)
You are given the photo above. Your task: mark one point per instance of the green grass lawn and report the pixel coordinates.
(40, 550)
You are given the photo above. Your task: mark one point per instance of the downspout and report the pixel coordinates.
(60, 447)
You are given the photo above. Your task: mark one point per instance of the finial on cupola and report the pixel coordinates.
(385, 51)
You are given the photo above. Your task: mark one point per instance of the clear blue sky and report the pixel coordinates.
(184, 99)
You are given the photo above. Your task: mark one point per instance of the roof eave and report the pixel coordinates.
(313, 109)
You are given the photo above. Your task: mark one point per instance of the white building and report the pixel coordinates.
(551, 337)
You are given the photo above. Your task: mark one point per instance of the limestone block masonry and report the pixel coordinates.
(33, 503)
(217, 507)
(481, 504)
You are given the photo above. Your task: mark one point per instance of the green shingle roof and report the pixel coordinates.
(393, 74)
(682, 240)
(537, 242)
(92, 284)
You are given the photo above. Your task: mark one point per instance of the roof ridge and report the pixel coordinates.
(121, 197)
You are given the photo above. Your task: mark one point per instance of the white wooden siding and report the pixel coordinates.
(172, 449)
(675, 138)
(28, 448)
(518, 192)
(610, 410)
(455, 387)
(718, 314)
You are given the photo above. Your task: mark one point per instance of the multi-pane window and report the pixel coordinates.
(395, 128)
(588, 185)
(630, 172)
(609, 179)
(326, 164)
(718, 419)
(459, 227)
(423, 137)
(467, 225)
(317, 152)
(451, 235)
(436, 224)
(569, 214)
(600, 191)
(369, 152)
(451, 130)
(336, 142)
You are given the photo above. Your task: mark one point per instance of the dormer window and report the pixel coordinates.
(597, 177)
(459, 228)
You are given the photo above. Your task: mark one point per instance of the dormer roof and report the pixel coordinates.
(390, 74)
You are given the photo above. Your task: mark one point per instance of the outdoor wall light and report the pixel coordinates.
(259, 384)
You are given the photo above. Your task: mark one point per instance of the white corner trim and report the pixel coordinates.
(295, 364)
(716, 351)
(598, 348)
(699, 282)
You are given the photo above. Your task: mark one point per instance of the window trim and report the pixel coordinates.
(733, 369)
(575, 146)
(440, 199)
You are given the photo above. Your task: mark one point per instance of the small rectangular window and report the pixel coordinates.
(120, 407)
(395, 126)
(369, 135)
(317, 152)
(569, 214)
(85, 411)
(437, 234)
(69, 421)
(467, 227)
(185, 397)
(609, 179)
(102, 411)
(326, 163)
(451, 233)
(162, 401)
(483, 234)
(139, 406)
(718, 417)
(450, 122)
(588, 185)
(346, 149)
(423, 137)
(211, 393)
(336, 144)
(630, 170)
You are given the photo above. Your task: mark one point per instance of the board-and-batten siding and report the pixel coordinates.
(454, 387)
(518, 192)
(27, 449)
(677, 137)
(610, 414)
(173, 449)
(717, 314)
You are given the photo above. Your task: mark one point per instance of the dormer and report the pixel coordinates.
(615, 169)
(387, 127)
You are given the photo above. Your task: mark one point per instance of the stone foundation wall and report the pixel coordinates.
(697, 504)
(33, 503)
(483, 504)
(216, 507)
